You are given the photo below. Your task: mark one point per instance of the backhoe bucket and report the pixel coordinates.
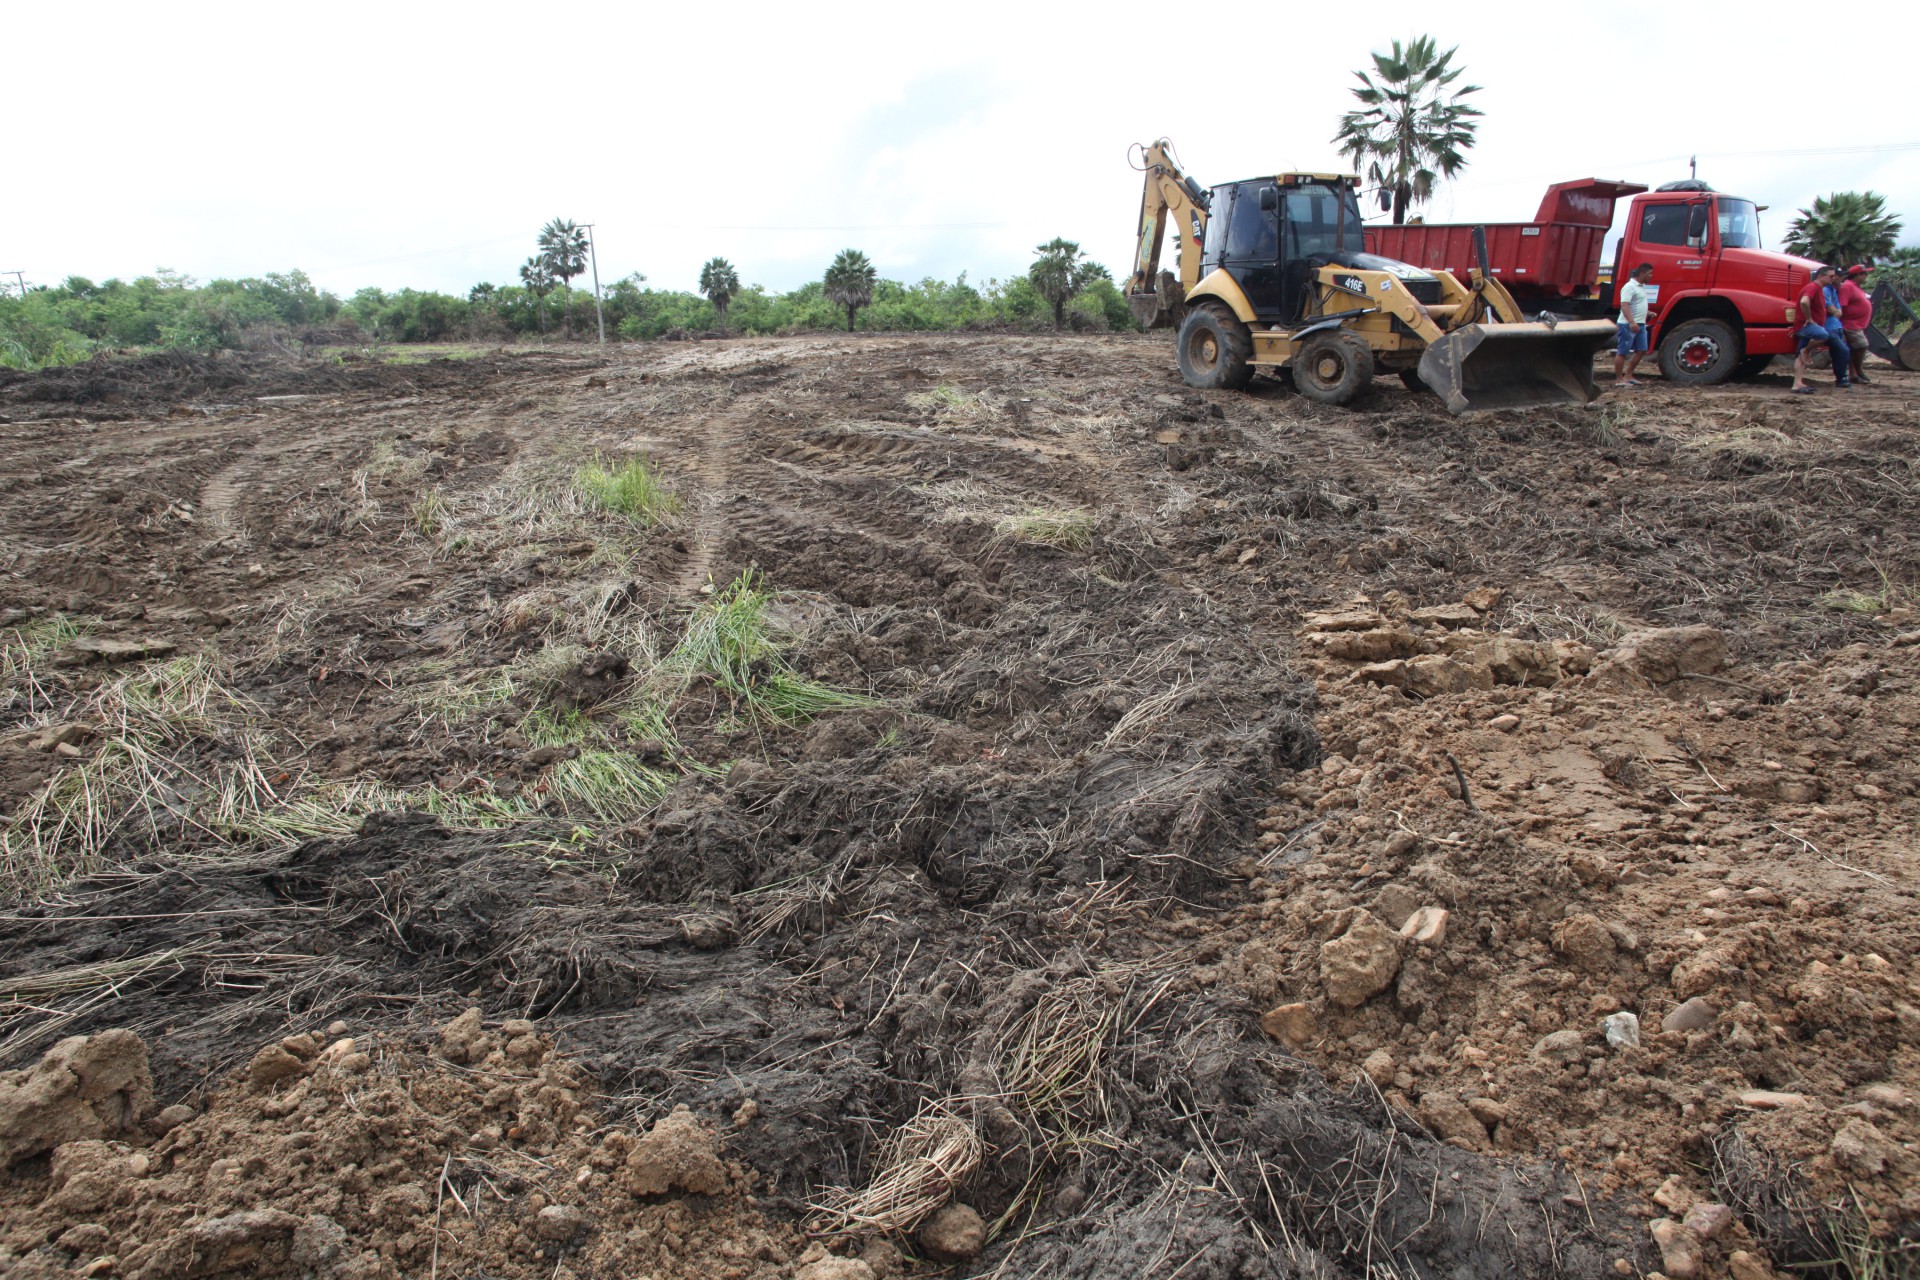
(1163, 308)
(1506, 366)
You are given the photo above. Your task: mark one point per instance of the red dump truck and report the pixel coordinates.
(1722, 306)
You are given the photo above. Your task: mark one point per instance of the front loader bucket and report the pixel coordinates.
(1164, 308)
(1505, 366)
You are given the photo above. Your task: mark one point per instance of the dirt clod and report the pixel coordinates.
(954, 1234)
(1361, 962)
(84, 1087)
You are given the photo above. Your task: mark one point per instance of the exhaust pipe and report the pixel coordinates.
(1507, 366)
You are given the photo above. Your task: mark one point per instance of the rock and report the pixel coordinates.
(272, 1065)
(835, 1269)
(1433, 675)
(678, 1153)
(1426, 927)
(1585, 941)
(1885, 1095)
(1379, 1067)
(1691, 1015)
(1343, 620)
(108, 649)
(317, 1244)
(1562, 1048)
(1519, 662)
(1673, 1194)
(1291, 1024)
(1708, 1220)
(169, 1119)
(1679, 1248)
(954, 1234)
(1483, 599)
(1450, 616)
(1504, 724)
(1574, 658)
(1698, 973)
(1361, 962)
(1394, 903)
(1862, 1148)
(559, 1222)
(1488, 1111)
(1362, 646)
(84, 1087)
(1451, 1120)
(1622, 1030)
(1767, 1100)
(1666, 654)
(463, 1040)
(1392, 674)
(1742, 1265)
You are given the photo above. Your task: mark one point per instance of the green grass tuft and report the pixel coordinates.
(730, 641)
(631, 489)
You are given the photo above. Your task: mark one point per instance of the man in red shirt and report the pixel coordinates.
(1813, 329)
(1856, 313)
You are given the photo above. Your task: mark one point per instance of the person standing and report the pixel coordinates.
(1856, 313)
(1837, 336)
(1813, 328)
(1630, 344)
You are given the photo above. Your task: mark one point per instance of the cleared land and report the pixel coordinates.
(1205, 834)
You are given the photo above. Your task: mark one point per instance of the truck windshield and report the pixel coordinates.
(1739, 224)
(1317, 224)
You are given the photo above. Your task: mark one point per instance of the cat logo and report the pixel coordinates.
(1352, 284)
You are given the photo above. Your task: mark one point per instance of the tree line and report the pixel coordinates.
(70, 321)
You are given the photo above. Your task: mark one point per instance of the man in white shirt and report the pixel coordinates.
(1632, 324)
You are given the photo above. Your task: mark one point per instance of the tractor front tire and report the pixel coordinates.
(1700, 353)
(1215, 349)
(1332, 367)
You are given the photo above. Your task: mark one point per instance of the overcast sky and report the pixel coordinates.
(407, 144)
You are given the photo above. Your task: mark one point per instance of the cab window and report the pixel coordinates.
(1323, 220)
(1253, 234)
(1664, 224)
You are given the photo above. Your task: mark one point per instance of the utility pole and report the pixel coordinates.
(598, 313)
(19, 278)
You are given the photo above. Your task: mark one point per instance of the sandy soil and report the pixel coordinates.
(1205, 835)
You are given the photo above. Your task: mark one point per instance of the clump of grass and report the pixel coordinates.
(1070, 530)
(730, 641)
(945, 399)
(428, 513)
(1848, 600)
(631, 489)
(915, 1172)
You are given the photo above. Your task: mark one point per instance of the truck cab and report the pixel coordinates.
(1722, 305)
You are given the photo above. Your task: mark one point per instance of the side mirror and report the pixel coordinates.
(1269, 199)
(1697, 225)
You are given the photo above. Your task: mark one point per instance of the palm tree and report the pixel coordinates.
(719, 281)
(563, 245)
(1843, 228)
(1059, 273)
(1412, 128)
(849, 282)
(537, 276)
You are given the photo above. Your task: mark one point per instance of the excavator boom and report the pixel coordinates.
(1169, 200)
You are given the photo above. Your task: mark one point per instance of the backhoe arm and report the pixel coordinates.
(1169, 200)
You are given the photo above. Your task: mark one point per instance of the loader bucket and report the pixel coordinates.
(1506, 366)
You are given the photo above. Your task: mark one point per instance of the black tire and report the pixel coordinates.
(1413, 382)
(1908, 349)
(1700, 353)
(1752, 367)
(1215, 349)
(1332, 367)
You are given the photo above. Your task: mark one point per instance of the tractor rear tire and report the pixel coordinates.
(1332, 367)
(1215, 349)
(1908, 349)
(1700, 353)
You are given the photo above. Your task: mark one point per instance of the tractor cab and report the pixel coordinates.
(1272, 235)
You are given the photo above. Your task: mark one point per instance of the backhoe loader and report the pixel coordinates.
(1274, 276)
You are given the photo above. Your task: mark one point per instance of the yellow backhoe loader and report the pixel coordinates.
(1274, 275)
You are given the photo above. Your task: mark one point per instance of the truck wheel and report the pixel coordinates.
(1215, 349)
(1332, 368)
(1752, 367)
(1415, 383)
(1700, 353)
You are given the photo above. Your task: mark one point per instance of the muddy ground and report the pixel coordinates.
(1210, 835)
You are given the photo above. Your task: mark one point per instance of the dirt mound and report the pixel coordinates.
(373, 1157)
